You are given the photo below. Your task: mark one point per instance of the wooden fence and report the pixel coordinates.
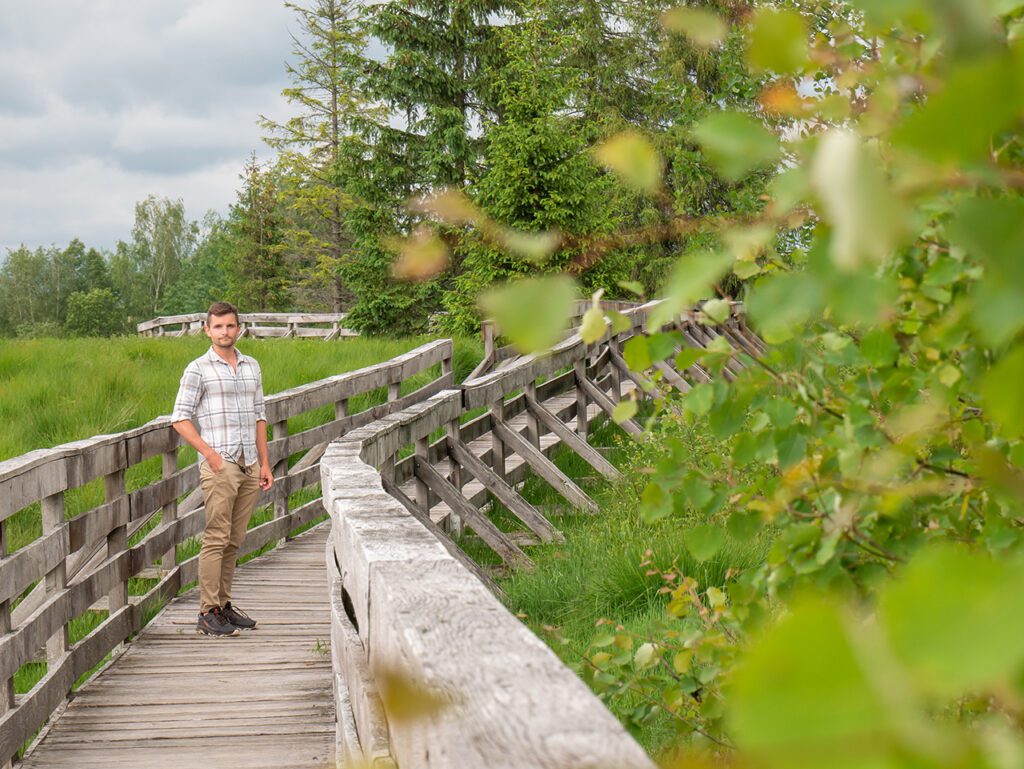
(409, 605)
(86, 561)
(255, 324)
(397, 479)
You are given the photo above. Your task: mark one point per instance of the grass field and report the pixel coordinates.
(599, 572)
(58, 390)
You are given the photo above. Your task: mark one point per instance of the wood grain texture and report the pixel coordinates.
(263, 699)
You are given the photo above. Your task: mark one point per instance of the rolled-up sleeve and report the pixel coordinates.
(189, 392)
(258, 407)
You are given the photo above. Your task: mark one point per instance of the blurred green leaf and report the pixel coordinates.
(879, 348)
(956, 619)
(636, 353)
(692, 278)
(532, 312)
(533, 246)
(687, 357)
(624, 410)
(655, 504)
(802, 698)
(779, 304)
(703, 28)
(743, 525)
(778, 41)
(632, 157)
(992, 231)
(716, 310)
(704, 541)
(736, 144)
(957, 124)
(592, 327)
(1002, 392)
(867, 219)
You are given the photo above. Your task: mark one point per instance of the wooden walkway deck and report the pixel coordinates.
(178, 700)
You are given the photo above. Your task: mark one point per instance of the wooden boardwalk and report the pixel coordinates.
(175, 699)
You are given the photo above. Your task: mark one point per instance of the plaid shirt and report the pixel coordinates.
(227, 404)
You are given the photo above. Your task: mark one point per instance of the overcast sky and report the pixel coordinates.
(103, 102)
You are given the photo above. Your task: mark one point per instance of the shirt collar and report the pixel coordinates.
(213, 356)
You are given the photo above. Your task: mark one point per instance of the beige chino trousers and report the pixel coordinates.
(230, 496)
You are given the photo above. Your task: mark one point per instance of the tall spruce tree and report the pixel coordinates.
(257, 275)
(327, 76)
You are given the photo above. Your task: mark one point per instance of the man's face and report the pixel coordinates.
(222, 330)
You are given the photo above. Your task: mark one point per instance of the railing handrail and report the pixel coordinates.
(77, 574)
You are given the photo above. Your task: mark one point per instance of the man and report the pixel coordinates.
(223, 391)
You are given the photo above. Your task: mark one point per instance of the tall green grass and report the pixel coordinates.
(57, 390)
(610, 564)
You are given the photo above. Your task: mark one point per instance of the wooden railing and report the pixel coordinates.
(255, 324)
(86, 560)
(409, 605)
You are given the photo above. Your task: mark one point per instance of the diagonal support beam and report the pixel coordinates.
(544, 467)
(645, 385)
(495, 538)
(509, 497)
(601, 399)
(589, 454)
(392, 488)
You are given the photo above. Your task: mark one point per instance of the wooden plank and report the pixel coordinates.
(32, 562)
(546, 469)
(672, 376)
(602, 400)
(350, 658)
(573, 441)
(644, 384)
(391, 488)
(476, 520)
(88, 528)
(505, 494)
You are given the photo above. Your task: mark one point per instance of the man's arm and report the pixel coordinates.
(266, 474)
(187, 430)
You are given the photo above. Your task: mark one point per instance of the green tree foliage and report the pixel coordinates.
(875, 450)
(327, 75)
(143, 270)
(96, 312)
(257, 276)
(203, 279)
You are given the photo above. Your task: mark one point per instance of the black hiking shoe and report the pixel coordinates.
(214, 623)
(237, 617)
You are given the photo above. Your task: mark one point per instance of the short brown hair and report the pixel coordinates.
(221, 308)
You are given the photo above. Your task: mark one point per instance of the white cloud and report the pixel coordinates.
(103, 102)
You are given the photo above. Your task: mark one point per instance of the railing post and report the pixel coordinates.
(56, 578)
(487, 329)
(497, 446)
(455, 522)
(341, 409)
(280, 472)
(422, 492)
(616, 377)
(169, 512)
(532, 423)
(582, 426)
(447, 363)
(394, 391)
(117, 540)
(6, 686)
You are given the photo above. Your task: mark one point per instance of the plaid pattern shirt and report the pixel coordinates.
(227, 404)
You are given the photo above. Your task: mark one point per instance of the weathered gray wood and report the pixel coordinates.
(573, 441)
(602, 400)
(6, 679)
(497, 447)
(168, 466)
(582, 425)
(350, 657)
(32, 562)
(505, 494)
(117, 540)
(56, 577)
(672, 376)
(546, 469)
(495, 538)
(433, 528)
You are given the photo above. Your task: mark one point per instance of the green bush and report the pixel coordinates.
(95, 313)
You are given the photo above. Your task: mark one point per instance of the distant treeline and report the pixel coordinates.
(497, 100)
